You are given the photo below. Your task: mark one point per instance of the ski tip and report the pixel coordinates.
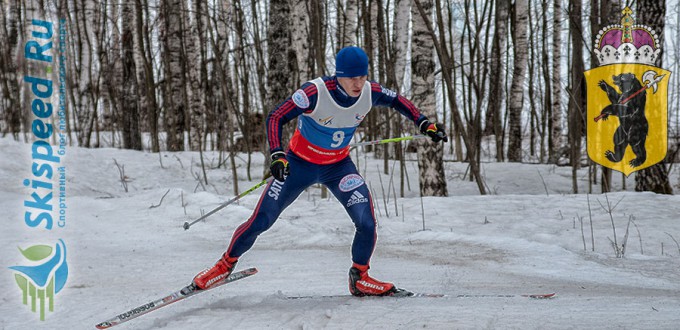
(406, 293)
(541, 295)
(103, 325)
(251, 270)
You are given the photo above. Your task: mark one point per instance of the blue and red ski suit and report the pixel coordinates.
(319, 153)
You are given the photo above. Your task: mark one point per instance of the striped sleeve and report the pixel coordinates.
(386, 97)
(303, 100)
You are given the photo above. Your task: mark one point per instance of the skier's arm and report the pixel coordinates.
(386, 97)
(303, 100)
(389, 98)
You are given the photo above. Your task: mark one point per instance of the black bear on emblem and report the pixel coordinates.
(633, 126)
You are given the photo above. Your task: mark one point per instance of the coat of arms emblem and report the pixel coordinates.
(627, 110)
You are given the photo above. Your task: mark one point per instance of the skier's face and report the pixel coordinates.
(352, 85)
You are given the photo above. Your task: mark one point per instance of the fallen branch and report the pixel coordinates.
(121, 174)
(161, 202)
(674, 240)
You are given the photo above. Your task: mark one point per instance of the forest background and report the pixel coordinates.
(505, 77)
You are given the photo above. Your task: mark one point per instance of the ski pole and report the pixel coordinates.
(188, 224)
(390, 140)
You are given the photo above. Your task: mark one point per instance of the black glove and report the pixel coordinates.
(434, 131)
(279, 166)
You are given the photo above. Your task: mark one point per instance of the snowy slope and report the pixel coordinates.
(522, 239)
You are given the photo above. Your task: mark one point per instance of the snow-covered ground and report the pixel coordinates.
(530, 236)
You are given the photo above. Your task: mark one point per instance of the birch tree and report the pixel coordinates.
(86, 15)
(395, 66)
(555, 125)
(299, 29)
(430, 155)
(348, 16)
(107, 35)
(520, 47)
(278, 37)
(195, 89)
(402, 10)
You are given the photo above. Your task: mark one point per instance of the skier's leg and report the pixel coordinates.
(274, 199)
(350, 188)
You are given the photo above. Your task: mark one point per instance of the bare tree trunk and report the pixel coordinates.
(532, 63)
(132, 136)
(520, 39)
(195, 89)
(494, 120)
(278, 36)
(457, 130)
(602, 14)
(478, 70)
(430, 155)
(545, 69)
(348, 17)
(447, 62)
(10, 106)
(576, 89)
(397, 63)
(173, 88)
(85, 13)
(111, 116)
(654, 178)
(226, 108)
(317, 51)
(555, 141)
(145, 77)
(247, 120)
(402, 10)
(300, 39)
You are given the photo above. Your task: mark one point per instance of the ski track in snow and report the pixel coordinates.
(122, 253)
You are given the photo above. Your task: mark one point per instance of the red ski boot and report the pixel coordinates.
(360, 284)
(216, 273)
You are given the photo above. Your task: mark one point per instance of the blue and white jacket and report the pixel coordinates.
(328, 117)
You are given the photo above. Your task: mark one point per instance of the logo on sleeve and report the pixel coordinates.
(350, 182)
(389, 92)
(300, 99)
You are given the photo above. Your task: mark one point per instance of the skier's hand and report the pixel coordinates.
(434, 131)
(279, 166)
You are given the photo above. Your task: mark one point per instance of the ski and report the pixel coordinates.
(185, 292)
(531, 296)
(402, 293)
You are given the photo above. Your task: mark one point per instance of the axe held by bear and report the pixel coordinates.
(652, 80)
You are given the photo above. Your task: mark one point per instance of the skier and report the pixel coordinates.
(329, 110)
